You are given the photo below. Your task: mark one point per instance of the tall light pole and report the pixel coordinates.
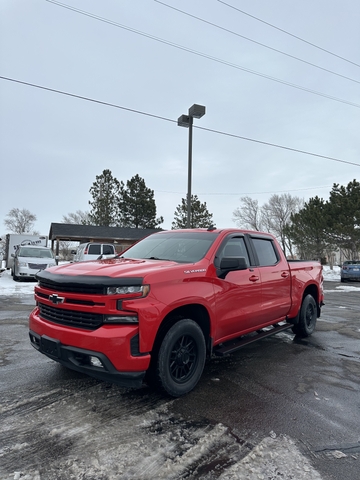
(196, 111)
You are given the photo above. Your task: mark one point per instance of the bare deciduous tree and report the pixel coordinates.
(78, 218)
(276, 215)
(66, 248)
(20, 221)
(272, 217)
(249, 215)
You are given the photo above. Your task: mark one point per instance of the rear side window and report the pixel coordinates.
(265, 251)
(108, 249)
(94, 250)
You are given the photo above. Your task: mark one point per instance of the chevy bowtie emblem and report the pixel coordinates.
(56, 299)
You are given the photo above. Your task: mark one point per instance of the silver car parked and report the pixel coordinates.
(29, 259)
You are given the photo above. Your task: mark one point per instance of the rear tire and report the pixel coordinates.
(181, 358)
(307, 318)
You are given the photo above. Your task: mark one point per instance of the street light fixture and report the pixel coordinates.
(196, 111)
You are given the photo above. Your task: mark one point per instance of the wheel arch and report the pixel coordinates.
(312, 290)
(195, 312)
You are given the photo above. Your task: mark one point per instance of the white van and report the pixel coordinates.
(93, 251)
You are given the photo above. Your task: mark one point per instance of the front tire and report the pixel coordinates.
(307, 318)
(15, 277)
(181, 358)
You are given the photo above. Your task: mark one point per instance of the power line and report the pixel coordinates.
(276, 145)
(139, 112)
(204, 55)
(174, 121)
(250, 193)
(256, 42)
(81, 97)
(288, 33)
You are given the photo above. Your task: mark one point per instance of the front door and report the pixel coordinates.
(238, 296)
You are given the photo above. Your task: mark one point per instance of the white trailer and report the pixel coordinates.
(14, 240)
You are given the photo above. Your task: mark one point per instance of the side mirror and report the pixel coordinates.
(73, 252)
(230, 264)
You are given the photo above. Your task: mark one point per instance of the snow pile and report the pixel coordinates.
(331, 275)
(274, 457)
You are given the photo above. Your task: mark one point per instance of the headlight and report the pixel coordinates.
(22, 264)
(129, 290)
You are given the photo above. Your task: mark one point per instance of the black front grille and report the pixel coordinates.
(71, 318)
(72, 287)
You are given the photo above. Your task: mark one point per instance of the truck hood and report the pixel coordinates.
(116, 267)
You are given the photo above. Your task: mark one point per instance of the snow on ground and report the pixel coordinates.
(275, 456)
(9, 287)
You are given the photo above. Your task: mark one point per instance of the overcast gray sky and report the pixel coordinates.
(143, 56)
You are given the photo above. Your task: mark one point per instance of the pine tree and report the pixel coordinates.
(200, 216)
(344, 218)
(105, 204)
(137, 205)
(309, 230)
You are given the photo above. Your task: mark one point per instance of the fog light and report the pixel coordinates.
(131, 318)
(96, 362)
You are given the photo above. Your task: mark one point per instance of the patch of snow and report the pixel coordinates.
(9, 287)
(276, 457)
(331, 275)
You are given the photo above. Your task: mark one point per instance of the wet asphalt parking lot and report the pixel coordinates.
(281, 408)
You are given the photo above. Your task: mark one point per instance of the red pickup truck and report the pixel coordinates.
(158, 310)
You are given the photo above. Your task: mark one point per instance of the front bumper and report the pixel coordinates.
(92, 363)
(116, 348)
(29, 272)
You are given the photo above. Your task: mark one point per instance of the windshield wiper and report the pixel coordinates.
(156, 258)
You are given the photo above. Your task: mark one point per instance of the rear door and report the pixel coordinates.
(275, 279)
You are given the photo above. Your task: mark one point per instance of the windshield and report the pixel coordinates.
(35, 252)
(187, 247)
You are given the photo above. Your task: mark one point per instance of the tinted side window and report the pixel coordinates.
(265, 251)
(94, 250)
(108, 249)
(234, 247)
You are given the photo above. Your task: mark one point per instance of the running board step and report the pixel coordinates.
(233, 345)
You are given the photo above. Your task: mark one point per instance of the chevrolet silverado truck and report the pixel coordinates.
(157, 311)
